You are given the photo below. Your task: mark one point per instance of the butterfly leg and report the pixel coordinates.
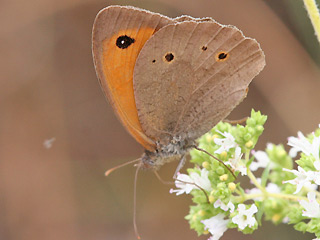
(239, 121)
(180, 165)
(163, 181)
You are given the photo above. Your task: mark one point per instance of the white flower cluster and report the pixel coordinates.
(217, 225)
(308, 179)
(244, 217)
(262, 159)
(305, 178)
(186, 183)
(226, 144)
(311, 206)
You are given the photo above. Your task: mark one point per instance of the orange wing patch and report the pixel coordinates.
(119, 56)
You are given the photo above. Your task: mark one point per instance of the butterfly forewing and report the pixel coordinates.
(119, 34)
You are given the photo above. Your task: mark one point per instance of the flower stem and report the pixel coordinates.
(314, 15)
(273, 195)
(287, 196)
(255, 182)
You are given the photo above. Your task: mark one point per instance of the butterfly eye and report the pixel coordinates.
(222, 56)
(124, 41)
(169, 57)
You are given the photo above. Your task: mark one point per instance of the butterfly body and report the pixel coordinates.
(175, 150)
(171, 80)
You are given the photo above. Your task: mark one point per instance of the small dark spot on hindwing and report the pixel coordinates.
(222, 55)
(169, 57)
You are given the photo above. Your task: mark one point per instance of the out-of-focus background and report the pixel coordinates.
(49, 91)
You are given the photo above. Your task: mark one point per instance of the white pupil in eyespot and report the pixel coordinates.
(122, 42)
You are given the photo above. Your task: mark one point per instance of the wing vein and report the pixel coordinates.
(211, 89)
(197, 89)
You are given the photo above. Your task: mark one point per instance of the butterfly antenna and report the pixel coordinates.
(229, 169)
(135, 202)
(161, 180)
(121, 165)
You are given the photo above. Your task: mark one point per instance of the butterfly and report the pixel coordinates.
(170, 80)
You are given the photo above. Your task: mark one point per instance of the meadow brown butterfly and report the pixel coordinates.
(171, 80)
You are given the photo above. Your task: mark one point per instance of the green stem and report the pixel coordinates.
(255, 182)
(287, 196)
(273, 195)
(314, 15)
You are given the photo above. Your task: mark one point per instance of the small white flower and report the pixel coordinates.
(302, 144)
(245, 216)
(273, 188)
(293, 152)
(316, 164)
(299, 144)
(225, 143)
(235, 162)
(270, 146)
(223, 206)
(316, 175)
(243, 170)
(216, 225)
(186, 183)
(254, 191)
(316, 178)
(202, 180)
(182, 183)
(48, 142)
(262, 160)
(312, 206)
(313, 187)
(286, 219)
(315, 147)
(303, 178)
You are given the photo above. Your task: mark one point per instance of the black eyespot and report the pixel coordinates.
(153, 60)
(124, 41)
(204, 48)
(169, 57)
(222, 55)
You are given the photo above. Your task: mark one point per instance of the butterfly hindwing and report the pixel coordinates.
(191, 75)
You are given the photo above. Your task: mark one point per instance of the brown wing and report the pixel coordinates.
(119, 34)
(189, 76)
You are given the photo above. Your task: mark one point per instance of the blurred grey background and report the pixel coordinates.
(48, 88)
